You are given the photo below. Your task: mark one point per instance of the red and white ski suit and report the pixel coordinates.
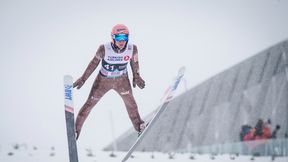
(113, 75)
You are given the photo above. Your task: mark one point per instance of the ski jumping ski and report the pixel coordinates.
(167, 98)
(69, 116)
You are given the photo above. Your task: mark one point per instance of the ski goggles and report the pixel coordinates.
(120, 37)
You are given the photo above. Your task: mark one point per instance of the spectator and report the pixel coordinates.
(250, 135)
(245, 129)
(266, 131)
(259, 128)
(274, 133)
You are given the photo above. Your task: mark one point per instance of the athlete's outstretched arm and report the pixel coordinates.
(91, 67)
(134, 63)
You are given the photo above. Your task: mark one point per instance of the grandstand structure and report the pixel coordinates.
(214, 111)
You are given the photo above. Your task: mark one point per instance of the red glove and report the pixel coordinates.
(137, 80)
(79, 83)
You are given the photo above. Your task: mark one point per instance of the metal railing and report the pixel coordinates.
(271, 147)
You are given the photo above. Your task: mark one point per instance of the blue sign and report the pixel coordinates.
(68, 92)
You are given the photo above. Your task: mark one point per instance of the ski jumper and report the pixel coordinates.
(112, 75)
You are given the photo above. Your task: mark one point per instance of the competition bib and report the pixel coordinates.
(115, 64)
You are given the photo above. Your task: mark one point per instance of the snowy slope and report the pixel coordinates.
(87, 155)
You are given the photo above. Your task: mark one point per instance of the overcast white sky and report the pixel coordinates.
(41, 41)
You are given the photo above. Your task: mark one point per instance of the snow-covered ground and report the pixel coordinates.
(51, 155)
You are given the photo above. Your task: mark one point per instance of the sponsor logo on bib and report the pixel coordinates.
(126, 58)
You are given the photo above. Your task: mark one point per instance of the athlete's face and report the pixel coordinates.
(120, 40)
(120, 44)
